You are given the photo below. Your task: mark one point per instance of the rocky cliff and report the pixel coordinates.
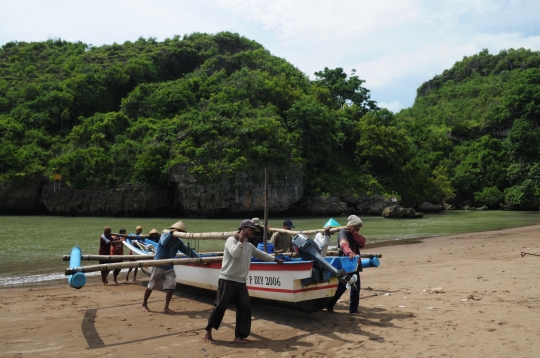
(22, 199)
(241, 196)
(244, 194)
(127, 200)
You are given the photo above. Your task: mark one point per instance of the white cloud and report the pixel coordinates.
(394, 45)
(394, 106)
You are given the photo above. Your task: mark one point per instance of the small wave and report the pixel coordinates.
(34, 279)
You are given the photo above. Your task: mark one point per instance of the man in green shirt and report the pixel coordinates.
(283, 242)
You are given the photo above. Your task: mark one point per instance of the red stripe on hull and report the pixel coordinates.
(291, 291)
(285, 267)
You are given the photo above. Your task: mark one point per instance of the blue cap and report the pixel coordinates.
(288, 223)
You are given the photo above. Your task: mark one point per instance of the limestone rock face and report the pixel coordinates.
(244, 194)
(326, 205)
(428, 207)
(374, 205)
(127, 200)
(397, 212)
(24, 199)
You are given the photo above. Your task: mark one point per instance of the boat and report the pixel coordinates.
(306, 283)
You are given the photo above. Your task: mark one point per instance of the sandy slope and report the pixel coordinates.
(488, 305)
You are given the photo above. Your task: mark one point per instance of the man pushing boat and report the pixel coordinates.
(164, 277)
(232, 282)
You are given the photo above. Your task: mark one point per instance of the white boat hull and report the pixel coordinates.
(283, 285)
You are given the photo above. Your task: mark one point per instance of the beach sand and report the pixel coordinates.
(487, 304)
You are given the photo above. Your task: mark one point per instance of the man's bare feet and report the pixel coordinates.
(145, 308)
(357, 313)
(241, 340)
(105, 283)
(134, 280)
(208, 336)
(168, 310)
(115, 282)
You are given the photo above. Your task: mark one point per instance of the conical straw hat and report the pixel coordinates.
(331, 222)
(179, 225)
(153, 231)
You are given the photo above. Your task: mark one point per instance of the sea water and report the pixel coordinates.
(31, 247)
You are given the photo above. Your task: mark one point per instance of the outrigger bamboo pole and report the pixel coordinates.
(111, 257)
(227, 234)
(219, 253)
(127, 257)
(142, 263)
(132, 236)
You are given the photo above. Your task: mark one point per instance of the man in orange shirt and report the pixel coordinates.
(105, 242)
(117, 248)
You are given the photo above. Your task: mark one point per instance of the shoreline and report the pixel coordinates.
(458, 295)
(374, 244)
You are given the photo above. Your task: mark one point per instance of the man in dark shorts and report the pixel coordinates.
(164, 277)
(350, 243)
(105, 242)
(117, 248)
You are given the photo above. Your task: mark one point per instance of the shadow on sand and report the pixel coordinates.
(323, 324)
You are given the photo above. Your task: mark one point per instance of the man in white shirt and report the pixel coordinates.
(232, 282)
(323, 240)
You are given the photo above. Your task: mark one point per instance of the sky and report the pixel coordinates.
(394, 45)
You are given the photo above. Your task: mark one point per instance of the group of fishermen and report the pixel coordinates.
(110, 244)
(237, 254)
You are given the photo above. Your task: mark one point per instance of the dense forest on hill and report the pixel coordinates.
(217, 105)
(479, 123)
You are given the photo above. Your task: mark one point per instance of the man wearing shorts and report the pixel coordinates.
(164, 277)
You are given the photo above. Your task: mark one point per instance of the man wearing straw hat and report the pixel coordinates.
(350, 242)
(164, 277)
(232, 282)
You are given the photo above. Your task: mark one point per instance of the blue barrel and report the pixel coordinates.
(269, 247)
(371, 262)
(77, 280)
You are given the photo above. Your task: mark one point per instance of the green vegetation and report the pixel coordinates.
(480, 121)
(216, 105)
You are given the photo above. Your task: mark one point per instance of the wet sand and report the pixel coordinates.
(465, 295)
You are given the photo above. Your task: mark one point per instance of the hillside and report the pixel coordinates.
(479, 122)
(207, 113)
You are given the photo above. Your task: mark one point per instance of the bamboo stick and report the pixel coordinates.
(142, 263)
(226, 235)
(152, 263)
(132, 236)
(217, 253)
(111, 257)
(127, 257)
